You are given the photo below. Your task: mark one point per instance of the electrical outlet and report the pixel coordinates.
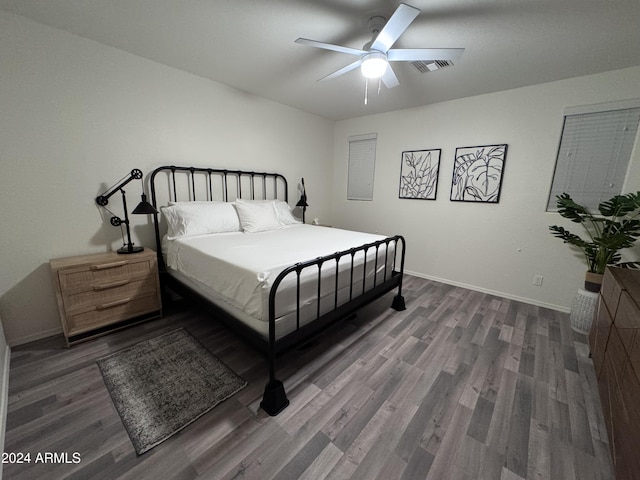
(537, 280)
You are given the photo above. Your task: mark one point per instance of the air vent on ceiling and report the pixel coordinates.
(424, 67)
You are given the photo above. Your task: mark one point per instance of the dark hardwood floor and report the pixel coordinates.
(462, 385)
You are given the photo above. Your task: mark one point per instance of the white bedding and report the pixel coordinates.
(236, 270)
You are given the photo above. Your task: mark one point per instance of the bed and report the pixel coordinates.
(228, 238)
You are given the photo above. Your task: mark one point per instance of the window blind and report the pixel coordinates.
(594, 153)
(362, 159)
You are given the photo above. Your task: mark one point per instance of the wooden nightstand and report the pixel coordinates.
(106, 291)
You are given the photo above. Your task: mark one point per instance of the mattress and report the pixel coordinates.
(236, 271)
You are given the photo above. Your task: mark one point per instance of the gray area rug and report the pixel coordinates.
(161, 385)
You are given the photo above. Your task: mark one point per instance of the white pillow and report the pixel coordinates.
(194, 202)
(283, 213)
(196, 218)
(257, 215)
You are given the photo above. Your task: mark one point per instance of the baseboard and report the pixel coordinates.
(4, 398)
(476, 288)
(14, 342)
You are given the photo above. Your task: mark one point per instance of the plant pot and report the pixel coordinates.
(593, 281)
(582, 311)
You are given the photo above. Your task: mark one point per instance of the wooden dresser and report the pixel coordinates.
(97, 293)
(614, 340)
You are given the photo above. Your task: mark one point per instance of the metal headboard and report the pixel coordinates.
(210, 184)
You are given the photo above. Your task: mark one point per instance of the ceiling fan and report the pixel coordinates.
(375, 55)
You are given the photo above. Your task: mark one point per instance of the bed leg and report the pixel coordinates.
(274, 399)
(398, 303)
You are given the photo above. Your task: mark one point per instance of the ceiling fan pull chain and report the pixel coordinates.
(379, 85)
(366, 90)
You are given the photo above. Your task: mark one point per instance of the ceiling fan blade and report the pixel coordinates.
(342, 71)
(329, 46)
(397, 24)
(389, 78)
(424, 54)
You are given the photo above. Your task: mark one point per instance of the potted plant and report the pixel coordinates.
(615, 228)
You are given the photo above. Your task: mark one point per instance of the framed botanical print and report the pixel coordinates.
(477, 173)
(419, 174)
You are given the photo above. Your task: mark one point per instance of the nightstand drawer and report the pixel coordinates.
(102, 275)
(108, 313)
(107, 293)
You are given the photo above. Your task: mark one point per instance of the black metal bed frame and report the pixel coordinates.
(269, 186)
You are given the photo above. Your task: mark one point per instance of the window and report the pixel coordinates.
(362, 160)
(594, 152)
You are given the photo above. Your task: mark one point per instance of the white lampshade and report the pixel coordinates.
(374, 64)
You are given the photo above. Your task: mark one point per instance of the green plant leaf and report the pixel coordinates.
(571, 210)
(567, 236)
(615, 229)
(620, 205)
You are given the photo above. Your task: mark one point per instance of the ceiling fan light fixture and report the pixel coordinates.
(374, 64)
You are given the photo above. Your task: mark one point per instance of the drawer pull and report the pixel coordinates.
(104, 266)
(116, 303)
(106, 286)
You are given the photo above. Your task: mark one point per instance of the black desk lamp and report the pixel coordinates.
(143, 208)
(303, 201)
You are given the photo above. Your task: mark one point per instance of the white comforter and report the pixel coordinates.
(240, 267)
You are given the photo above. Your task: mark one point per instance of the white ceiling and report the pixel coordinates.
(249, 44)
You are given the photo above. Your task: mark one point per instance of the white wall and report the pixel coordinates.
(77, 116)
(489, 247)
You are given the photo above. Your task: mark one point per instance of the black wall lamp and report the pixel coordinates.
(143, 208)
(303, 201)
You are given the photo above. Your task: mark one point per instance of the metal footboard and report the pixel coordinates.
(274, 399)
